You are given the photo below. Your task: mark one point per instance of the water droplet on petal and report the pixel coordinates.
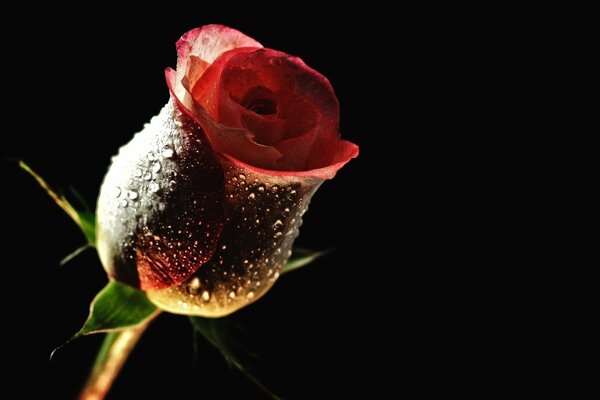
(132, 195)
(251, 196)
(156, 167)
(195, 283)
(117, 191)
(153, 187)
(232, 294)
(205, 295)
(137, 173)
(242, 176)
(250, 295)
(277, 224)
(167, 152)
(147, 176)
(124, 203)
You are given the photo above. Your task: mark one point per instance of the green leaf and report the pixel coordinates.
(301, 257)
(117, 307)
(226, 336)
(85, 218)
(74, 254)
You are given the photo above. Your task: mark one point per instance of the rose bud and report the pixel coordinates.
(200, 209)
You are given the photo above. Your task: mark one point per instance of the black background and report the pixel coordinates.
(81, 86)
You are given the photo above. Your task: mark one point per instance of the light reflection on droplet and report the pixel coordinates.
(195, 283)
(167, 152)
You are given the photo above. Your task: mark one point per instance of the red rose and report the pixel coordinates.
(201, 208)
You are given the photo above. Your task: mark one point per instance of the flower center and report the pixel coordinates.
(261, 106)
(260, 100)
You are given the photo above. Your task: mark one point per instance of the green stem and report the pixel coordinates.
(112, 356)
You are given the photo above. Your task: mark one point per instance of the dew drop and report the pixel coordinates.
(275, 188)
(250, 295)
(156, 167)
(132, 195)
(251, 196)
(124, 203)
(232, 295)
(117, 191)
(242, 176)
(167, 152)
(278, 235)
(137, 173)
(261, 188)
(277, 225)
(153, 187)
(195, 283)
(205, 295)
(147, 176)
(224, 247)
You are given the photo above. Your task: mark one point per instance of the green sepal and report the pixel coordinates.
(301, 257)
(115, 308)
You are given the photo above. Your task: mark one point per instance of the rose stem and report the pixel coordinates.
(110, 359)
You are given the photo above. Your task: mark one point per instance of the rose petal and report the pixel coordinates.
(295, 151)
(223, 138)
(263, 214)
(255, 141)
(207, 44)
(160, 209)
(208, 91)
